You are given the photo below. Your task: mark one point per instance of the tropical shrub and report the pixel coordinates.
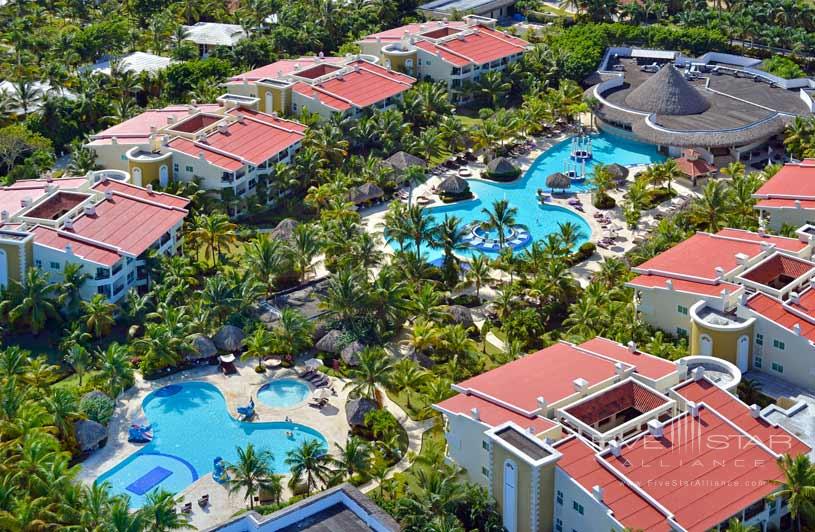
(603, 201)
(98, 408)
(783, 67)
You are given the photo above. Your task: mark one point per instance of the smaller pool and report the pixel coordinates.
(281, 393)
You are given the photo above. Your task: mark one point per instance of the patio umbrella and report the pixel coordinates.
(313, 363)
(322, 393)
(226, 359)
(618, 172)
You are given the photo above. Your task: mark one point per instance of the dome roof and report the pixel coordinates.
(667, 93)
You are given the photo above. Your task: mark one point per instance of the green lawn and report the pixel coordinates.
(418, 402)
(469, 121)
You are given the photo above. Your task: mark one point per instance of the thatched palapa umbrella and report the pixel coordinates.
(365, 193)
(90, 435)
(229, 338)
(202, 347)
(330, 343)
(355, 410)
(558, 180)
(284, 230)
(350, 353)
(401, 161)
(453, 186)
(501, 166)
(617, 171)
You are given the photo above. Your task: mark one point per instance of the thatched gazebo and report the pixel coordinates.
(558, 180)
(229, 338)
(401, 161)
(667, 93)
(454, 186)
(90, 435)
(202, 348)
(501, 169)
(350, 353)
(284, 230)
(461, 315)
(355, 410)
(617, 171)
(365, 193)
(330, 342)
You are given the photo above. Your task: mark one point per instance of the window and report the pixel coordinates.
(757, 362)
(560, 497)
(175, 167)
(682, 310)
(188, 168)
(682, 333)
(778, 344)
(485, 472)
(778, 368)
(485, 445)
(577, 507)
(558, 525)
(123, 157)
(131, 276)
(38, 262)
(54, 265)
(759, 339)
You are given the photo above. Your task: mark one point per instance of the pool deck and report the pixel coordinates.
(330, 421)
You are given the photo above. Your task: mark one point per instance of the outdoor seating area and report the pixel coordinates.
(315, 378)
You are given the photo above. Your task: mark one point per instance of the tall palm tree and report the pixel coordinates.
(309, 460)
(80, 359)
(305, 245)
(253, 474)
(736, 525)
(407, 376)
(115, 369)
(500, 217)
(708, 210)
(374, 369)
(479, 273)
(99, 315)
(293, 331)
(63, 407)
(797, 487)
(159, 512)
(354, 458)
(215, 231)
(449, 237)
(267, 258)
(31, 301)
(73, 278)
(161, 345)
(419, 226)
(258, 345)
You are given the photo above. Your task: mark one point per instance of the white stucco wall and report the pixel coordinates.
(793, 217)
(596, 515)
(464, 446)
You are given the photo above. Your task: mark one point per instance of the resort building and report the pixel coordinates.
(789, 196)
(226, 147)
(136, 62)
(601, 436)
(453, 52)
(722, 106)
(441, 9)
(100, 221)
(322, 85)
(212, 35)
(342, 508)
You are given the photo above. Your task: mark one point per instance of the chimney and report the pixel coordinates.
(795, 297)
(201, 156)
(797, 329)
(597, 492)
(797, 204)
(152, 130)
(742, 258)
(69, 250)
(614, 445)
(698, 373)
(223, 128)
(693, 408)
(25, 202)
(632, 346)
(620, 368)
(475, 414)
(114, 140)
(4, 216)
(149, 188)
(170, 120)
(68, 223)
(655, 428)
(669, 284)
(762, 231)
(240, 118)
(108, 194)
(682, 369)
(580, 385)
(90, 210)
(755, 411)
(541, 402)
(719, 271)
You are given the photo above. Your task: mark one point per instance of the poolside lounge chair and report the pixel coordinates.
(306, 374)
(247, 411)
(203, 501)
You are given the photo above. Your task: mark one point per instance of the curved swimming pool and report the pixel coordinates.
(191, 427)
(281, 393)
(541, 220)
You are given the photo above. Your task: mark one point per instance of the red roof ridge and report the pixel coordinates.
(381, 75)
(271, 124)
(317, 87)
(148, 202)
(130, 185)
(754, 233)
(219, 151)
(500, 35)
(81, 238)
(448, 50)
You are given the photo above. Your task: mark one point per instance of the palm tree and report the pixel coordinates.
(293, 332)
(374, 369)
(63, 407)
(408, 377)
(161, 345)
(253, 474)
(354, 458)
(159, 512)
(670, 172)
(214, 231)
(749, 390)
(419, 227)
(500, 217)
(258, 345)
(31, 301)
(306, 243)
(797, 487)
(80, 359)
(99, 315)
(735, 525)
(449, 236)
(479, 273)
(423, 336)
(266, 258)
(25, 95)
(73, 278)
(708, 210)
(115, 369)
(310, 460)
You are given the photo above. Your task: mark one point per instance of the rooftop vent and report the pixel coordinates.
(742, 258)
(69, 250)
(719, 271)
(655, 428)
(25, 202)
(620, 368)
(795, 297)
(149, 187)
(223, 128)
(632, 346)
(669, 284)
(755, 411)
(541, 402)
(68, 224)
(693, 408)
(108, 194)
(170, 120)
(597, 492)
(614, 445)
(4, 216)
(90, 210)
(698, 373)
(476, 415)
(580, 384)
(797, 329)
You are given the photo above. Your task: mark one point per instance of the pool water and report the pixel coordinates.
(191, 427)
(541, 220)
(283, 392)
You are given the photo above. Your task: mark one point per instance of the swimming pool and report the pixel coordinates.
(283, 392)
(191, 427)
(541, 220)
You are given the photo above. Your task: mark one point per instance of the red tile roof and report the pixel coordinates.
(776, 266)
(139, 126)
(143, 193)
(89, 251)
(256, 139)
(396, 34)
(783, 315)
(702, 470)
(645, 364)
(284, 67)
(680, 285)
(773, 436)
(785, 203)
(581, 463)
(792, 181)
(616, 400)
(694, 168)
(493, 414)
(700, 255)
(11, 197)
(128, 223)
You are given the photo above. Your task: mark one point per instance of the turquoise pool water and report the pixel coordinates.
(542, 220)
(283, 392)
(191, 427)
